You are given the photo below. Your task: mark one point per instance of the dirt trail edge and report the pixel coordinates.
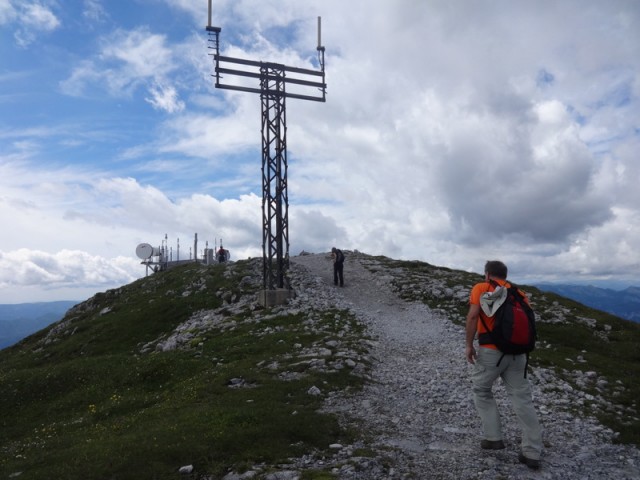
(418, 409)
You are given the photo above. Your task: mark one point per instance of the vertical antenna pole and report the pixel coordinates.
(209, 23)
(166, 257)
(321, 58)
(195, 248)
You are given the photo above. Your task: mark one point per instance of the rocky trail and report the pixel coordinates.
(418, 410)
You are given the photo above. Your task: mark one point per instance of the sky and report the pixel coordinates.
(454, 132)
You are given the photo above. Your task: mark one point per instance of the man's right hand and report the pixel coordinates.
(471, 354)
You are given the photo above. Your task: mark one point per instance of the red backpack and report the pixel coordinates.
(514, 326)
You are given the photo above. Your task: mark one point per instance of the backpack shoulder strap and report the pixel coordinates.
(518, 294)
(484, 324)
(486, 329)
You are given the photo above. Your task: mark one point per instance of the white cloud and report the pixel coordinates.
(7, 12)
(139, 52)
(39, 16)
(94, 10)
(64, 268)
(128, 61)
(197, 134)
(165, 97)
(30, 19)
(74, 272)
(83, 74)
(78, 235)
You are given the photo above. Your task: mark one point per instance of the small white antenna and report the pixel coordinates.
(195, 249)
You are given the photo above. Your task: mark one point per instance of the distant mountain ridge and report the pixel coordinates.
(624, 304)
(18, 321)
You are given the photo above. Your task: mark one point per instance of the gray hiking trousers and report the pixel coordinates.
(511, 370)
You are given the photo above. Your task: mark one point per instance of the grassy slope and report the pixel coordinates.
(92, 406)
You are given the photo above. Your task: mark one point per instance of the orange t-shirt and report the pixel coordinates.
(476, 292)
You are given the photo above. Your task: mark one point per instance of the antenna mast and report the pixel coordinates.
(272, 79)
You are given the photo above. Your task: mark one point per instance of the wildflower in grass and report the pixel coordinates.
(92, 408)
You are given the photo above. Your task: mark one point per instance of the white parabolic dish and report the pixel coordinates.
(145, 251)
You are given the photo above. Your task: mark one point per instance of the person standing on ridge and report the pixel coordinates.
(222, 254)
(338, 266)
(489, 363)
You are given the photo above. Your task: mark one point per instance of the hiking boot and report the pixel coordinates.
(532, 463)
(491, 444)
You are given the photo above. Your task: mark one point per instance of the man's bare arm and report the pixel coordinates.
(472, 325)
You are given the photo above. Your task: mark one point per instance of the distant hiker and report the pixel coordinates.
(490, 363)
(222, 255)
(338, 266)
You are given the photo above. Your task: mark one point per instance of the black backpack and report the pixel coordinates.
(339, 256)
(514, 326)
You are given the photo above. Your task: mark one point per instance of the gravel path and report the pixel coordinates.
(419, 409)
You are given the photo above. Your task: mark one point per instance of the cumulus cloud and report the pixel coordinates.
(314, 231)
(535, 179)
(165, 97)
(196, 134)
(39, 16)
(74, 272)
(128, 61)
(109, 217)
(94, 11)
(29, 18)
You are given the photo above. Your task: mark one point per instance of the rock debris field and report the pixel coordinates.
(417, 410)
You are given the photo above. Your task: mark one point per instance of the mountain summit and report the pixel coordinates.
(183, 375)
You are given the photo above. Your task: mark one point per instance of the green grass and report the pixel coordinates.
(607, 345)
(92, 405)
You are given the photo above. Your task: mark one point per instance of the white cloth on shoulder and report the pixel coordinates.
(491, 301)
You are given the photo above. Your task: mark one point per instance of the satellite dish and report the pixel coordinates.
(146, 251)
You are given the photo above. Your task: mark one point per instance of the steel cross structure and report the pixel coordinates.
(273, 80)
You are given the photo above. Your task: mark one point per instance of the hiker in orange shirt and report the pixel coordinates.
(489, 363)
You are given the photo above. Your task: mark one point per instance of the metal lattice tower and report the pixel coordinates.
(273, 79)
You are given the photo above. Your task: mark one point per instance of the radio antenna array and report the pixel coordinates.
(272, 80)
